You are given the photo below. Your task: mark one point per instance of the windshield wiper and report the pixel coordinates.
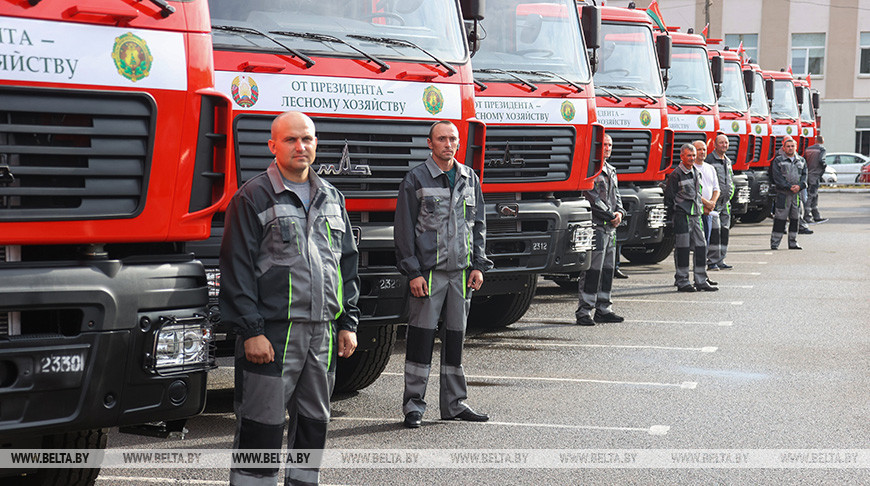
(248, 30)
(696, 100)
(329, 38)
(780, 114)
(609, 93)
(502, 71)
(625, 86)
(726, 105)
(401, 42)
(552, 75)
(673, 103)
(165, 9)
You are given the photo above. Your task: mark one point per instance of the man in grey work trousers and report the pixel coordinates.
(440, 232)
(596, 283)
(788, 173)
(288, 281)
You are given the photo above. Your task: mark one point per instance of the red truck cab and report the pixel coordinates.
(534, 92)
(784, 112)
(630, 103)
(807, 106)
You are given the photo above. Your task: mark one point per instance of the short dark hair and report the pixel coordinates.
(439, 122)
(820, 139)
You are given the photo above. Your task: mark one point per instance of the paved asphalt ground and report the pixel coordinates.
(779, 358)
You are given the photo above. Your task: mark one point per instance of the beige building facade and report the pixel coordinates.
(829, 39)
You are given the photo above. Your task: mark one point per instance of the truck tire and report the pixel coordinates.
(83, 439)
(497, 311)
(653, 253)
(364, 367)
(754, 215)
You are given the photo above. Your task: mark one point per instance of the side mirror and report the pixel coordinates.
(768, 85)
(472, 9)
(799, 94)
(590, 21)
(717, 68)
(816, 100)
(749, 81)
(663, 51)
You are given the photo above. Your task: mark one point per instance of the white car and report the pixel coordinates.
(829, 176)
(846, 165)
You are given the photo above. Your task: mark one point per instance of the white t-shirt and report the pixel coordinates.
(709, 180)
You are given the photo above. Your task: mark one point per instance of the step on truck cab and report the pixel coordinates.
(111, 158)
(735, 122)
(533, 89)
(630, 104)
(762, 130)
(373, 76)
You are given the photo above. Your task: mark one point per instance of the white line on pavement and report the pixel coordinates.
(563, 321)
(653, 430)
(686, 385)
(659, 301)
(706, 349)
(115, 479)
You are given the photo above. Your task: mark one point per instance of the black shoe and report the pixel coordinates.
(710, 268)
(820, 220)
(774, 247)
(712, 282)
(609, 317)
(585, 321)
(618, 274)
(805, 231)
(686, 288)
(725, 266)
(706, 287)
(469, 415)
(795, 247)
(413, 420)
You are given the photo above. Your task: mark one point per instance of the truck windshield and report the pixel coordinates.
(733, 91)
(434, 25)
(807, 107)
(690, 76)
(537, 37)
(784, 100)
(627, 60)
(759, 98)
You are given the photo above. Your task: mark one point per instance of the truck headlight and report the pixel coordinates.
(581, 237)
(182, 345)
(763, 189)
(655, 215)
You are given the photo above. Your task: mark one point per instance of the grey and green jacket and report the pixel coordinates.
(785, 173)
(725, 174)
(279, 264)
(683, 192)
(604, 197)
(436, 228)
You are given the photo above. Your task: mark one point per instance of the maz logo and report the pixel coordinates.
(507, 161)
(344, 166)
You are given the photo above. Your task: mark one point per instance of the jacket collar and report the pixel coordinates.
(277, 180)
(436, 171)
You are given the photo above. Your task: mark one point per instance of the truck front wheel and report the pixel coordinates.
(653, 253)
(754, 216)
(364, 367)
(83, 439)
(496, 311)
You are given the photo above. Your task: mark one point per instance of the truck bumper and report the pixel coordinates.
(759, 189)
(79, 344)
(645, 215)
(741, 197)
(538, 236)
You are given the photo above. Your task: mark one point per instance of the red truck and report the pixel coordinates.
(534, 92)
(111, 158)
(373, 76)
(808, 102)
(784, 112)
(630, 104)
(763, 148)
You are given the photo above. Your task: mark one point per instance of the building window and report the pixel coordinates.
(864, 66)
(750, 44)
(807, 54)
(862, 135)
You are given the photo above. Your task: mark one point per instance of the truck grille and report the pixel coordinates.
(379, 152)
(756, 151)
(534, 154)
(681, 138)
(630, 150)
(74, 154)
(733, 148)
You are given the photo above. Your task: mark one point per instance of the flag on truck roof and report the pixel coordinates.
(741, 52)
(809, 81)
(706, 31)
(656, 15)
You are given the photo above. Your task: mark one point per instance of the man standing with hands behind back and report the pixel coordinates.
(288, 279)
(440, 232)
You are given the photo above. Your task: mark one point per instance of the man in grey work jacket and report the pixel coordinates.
(788, 172)
(815, 157)
(719, 233)
(596, 283)
(288, 280)
(683, 198)
(440, 232)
